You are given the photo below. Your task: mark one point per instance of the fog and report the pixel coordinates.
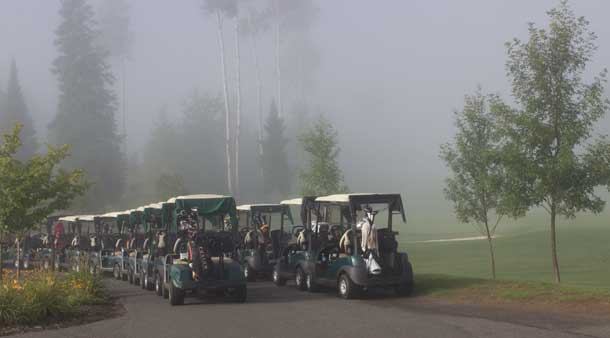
(388, 74)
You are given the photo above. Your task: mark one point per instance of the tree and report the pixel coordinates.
(221, 9)
(33, 189)
(555, 119)
(170, 185)
(275, 165)
(116, 38)
(14, 110)
(475, 187)
(322, 176)
(87, 105)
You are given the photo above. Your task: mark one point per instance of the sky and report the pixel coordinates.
(391, 74)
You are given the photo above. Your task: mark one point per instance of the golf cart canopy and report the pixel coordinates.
(266, 209)
(355, 201)
(109, 215)
(207, 205)
(68, 219)
(86, 218)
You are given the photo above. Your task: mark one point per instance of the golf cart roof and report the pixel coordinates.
(268, 207)
(68, 218)
(154, 206)
(86, 218)
(357, 199)
(294, 201)
(207, 205)
(109, 215)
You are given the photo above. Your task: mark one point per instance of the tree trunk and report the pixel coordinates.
(554, 244)
(278, 70)
(225, 89)
(259, 97)
(238, 110)
(124, 104)
(18, 258)
(491, 251)
(1, 258)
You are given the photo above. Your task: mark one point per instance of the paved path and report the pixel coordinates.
(286, 312)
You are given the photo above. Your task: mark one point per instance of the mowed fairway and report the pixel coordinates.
(584, 256)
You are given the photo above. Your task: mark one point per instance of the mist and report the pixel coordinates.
(389, 75)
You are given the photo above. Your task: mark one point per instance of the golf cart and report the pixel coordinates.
(135, 241)
(120, 259)
(204, 254)
(156, 218)
(103, 257)
(71, 249)
(262, 239)
(348, 250)
(295, 251)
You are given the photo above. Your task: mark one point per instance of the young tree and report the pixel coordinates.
(13, 109)
(86, 110)
(475, 187)
(33, 189)
(275, 165)
(557, 114)
(322, 176)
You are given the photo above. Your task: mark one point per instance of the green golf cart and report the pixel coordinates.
(204, 258)
(261, 227)
(351, 246)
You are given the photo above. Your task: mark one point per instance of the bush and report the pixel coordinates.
(44, 296)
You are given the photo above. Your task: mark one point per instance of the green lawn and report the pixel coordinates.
(584, 256)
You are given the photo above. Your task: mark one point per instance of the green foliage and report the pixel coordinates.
(557, 116)
(32, 190)
(322, 176)
(475, 187)
(43, 297)
(86, 109)
(276, 173)
(13, 109)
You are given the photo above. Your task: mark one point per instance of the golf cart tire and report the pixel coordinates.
(241, 293)
(406, 289)
(176, 295)
(158, 285)
(249, 273)
(130, 278)
(346, 288)
(116, 272)
(310, 283)
(299, 279)
(276, 277)
(142, 279)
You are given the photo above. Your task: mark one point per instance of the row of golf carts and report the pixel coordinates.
(206, 244)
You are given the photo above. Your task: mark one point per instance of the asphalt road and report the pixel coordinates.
(285, 312)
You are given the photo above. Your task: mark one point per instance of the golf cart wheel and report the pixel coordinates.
(249, 273)
(176, 295)
(346, 288)
(130, 276)
(406, 289)
(241, 293)
(158, 285)
(310, 283)
(116, 272)
(277, 278)
(142, 280)
(299, 279)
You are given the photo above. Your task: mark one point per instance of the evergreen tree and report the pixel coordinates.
(86, 110)
(276, 174)
(13, 110)
(322, 176)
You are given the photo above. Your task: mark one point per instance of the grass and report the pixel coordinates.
(476, 290)
(584, 257)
